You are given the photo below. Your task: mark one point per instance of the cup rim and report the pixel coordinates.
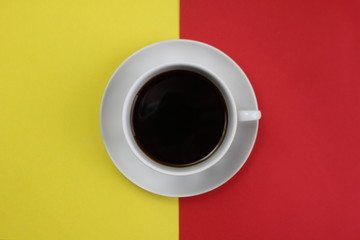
(186, 170)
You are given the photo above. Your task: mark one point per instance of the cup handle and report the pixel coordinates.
(249, 115)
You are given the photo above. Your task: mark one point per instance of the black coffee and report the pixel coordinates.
(179, 118)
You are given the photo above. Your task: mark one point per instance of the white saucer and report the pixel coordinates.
(176, 51)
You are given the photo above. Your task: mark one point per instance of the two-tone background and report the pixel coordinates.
(302, 180)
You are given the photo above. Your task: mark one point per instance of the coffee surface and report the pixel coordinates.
(179, 118)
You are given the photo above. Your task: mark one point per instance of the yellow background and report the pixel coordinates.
(56, 179)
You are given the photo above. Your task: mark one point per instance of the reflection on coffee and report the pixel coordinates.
(179, 118)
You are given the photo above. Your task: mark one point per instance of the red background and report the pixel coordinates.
(302, 180)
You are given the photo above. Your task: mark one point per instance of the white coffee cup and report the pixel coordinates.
(234, 117)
